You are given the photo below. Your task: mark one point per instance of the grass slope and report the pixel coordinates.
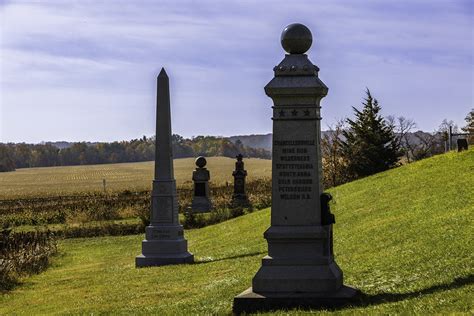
(403, 237)
(130, 176)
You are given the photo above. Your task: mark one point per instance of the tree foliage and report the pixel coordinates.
(370, 144)
(469, 128)
(143, 149)
(6, 161)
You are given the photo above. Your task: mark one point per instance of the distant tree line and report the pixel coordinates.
(23, 155)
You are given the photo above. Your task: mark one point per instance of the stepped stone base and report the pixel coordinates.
(163, 245)
(142, 261)
(249, 301)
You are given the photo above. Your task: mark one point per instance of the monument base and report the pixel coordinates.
(249, 301)
(163, 245)
(143, 261)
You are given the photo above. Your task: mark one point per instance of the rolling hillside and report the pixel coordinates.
(404, 237)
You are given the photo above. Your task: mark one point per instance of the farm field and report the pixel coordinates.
(137, 176)
(403, 237)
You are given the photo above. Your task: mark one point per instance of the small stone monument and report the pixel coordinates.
(201, 202)
(239, 198)
(462, 144)
(299, 270)
(164, 241)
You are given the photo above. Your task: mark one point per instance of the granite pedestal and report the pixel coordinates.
(300, 270)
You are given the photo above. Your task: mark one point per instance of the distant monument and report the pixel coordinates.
(462, 144)
(239, 198)
(299, 270)
(164, 241)
(201, 202)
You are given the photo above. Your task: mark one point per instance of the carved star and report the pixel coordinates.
(282, 113)
(294, 112)
(306, 112)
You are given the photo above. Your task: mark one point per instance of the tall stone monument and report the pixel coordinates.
(201, 202)
(239, 198)
(299, 270)
(164, 239)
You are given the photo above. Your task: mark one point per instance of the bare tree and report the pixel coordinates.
(425, 145)
(403, 127)
(428, 144)
(334, 165)
(443, 130)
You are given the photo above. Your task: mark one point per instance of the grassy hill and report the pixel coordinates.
(403, 237)
(131, 176)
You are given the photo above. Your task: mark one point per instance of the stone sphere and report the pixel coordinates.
(200, 161)
(296, 39)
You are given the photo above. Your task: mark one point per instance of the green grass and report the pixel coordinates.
(124, 176)
(403, 237)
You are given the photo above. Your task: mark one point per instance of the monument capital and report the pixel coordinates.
(296, 80)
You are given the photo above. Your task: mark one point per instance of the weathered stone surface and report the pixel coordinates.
(462, 144)
(164, 238)
(300, 269)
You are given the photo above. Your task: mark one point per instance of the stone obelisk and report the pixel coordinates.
(164, 239)
(299, 270)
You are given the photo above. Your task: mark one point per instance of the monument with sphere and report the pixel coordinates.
(299, 270)
(201, 202)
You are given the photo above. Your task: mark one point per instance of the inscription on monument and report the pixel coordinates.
(165, 211)
(294, 169)
(163, 188)
(160, 233)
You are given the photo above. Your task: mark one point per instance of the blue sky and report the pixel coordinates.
(86, 70)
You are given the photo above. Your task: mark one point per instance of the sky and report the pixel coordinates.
(86, 70)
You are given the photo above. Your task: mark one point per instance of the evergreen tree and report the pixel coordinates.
(469, 128)
(369, 144)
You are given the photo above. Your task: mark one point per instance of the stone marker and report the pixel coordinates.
(164, 241)
(239, 198)
(462, 144)
(201, 202)
(299, 270)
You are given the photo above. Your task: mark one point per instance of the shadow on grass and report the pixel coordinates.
(381, 298)
(244, 255)
(334, 304)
